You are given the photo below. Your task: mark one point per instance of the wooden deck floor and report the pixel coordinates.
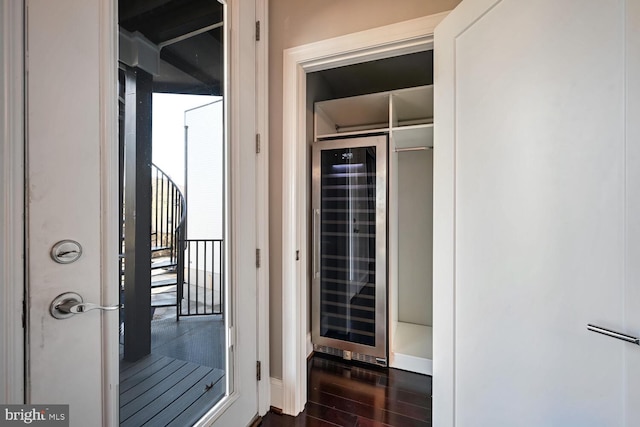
(162, 391)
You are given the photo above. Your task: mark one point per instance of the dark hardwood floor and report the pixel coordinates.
(341, 394)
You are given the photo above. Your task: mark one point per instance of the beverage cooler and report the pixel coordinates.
(349, 217)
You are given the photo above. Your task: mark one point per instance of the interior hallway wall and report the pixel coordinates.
(294, 23)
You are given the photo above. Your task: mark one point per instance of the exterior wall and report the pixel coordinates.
(294, 23)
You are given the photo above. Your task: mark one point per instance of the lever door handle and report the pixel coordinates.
(70, 303)
(614, 334)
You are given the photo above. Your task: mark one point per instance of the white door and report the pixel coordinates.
(537, 213)
(72, 193)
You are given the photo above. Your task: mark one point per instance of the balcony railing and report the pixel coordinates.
(203, 275)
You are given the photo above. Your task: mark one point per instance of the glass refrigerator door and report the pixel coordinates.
(350, 265)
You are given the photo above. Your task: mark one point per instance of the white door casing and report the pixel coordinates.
(632, 214)
(536, 208)
(383, 42)
(11, 201)
(242, 405)
(72, 194)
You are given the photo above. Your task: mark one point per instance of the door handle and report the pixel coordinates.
(316, 243)
(66, 305)
(614, 334)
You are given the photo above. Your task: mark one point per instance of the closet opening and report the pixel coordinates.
(371, 222)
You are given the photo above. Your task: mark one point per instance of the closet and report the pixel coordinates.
(389, 100)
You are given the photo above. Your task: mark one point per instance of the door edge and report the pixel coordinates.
(109, 221)
(12, 231)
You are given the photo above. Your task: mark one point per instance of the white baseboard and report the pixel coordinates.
(411, 363)
(309, 344)
(276, 393)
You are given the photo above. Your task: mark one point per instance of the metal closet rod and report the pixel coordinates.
(400, 150)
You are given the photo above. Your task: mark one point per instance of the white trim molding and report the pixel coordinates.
(383, 42)
(110, 221)
(276, 393)
(262, 211)
(12, 202)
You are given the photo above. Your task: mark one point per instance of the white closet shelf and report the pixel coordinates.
(413, 348)
(412, 104)
(413, 136)
(408, 108)
(353, 133)
(353, 114)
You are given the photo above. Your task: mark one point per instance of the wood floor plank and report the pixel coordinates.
(370, 397)
(274, 420)
(309, 421)
(354, 395)
(332, 415)
(375, 413)
(413, 398)
(388, 377)
(302, 420)
(366, 422)
(407, 381)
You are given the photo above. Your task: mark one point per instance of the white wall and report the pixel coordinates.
(205, 173)
(415, 237)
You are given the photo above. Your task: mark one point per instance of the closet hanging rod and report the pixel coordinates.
(400, 150)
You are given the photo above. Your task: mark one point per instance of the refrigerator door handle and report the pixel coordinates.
(316, 242)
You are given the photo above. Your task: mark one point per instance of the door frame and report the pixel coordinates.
(262, 202)
(402, 38)
(13, 369)
(12, 196)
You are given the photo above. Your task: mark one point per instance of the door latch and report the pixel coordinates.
(66, 305)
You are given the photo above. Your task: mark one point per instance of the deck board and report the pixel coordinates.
(182, 396)
(143, 375)
(202, 404)
(128, 369)
(168, 385)
(162, 389)
(138, 403)
(153, 381)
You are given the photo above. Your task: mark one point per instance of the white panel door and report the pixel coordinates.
(536, 223)
(72, 191)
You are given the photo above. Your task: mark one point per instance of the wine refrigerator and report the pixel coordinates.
(349, 217)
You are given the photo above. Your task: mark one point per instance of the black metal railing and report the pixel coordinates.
(168, 225)
(198, 263)
(202, 292)
(168, 215)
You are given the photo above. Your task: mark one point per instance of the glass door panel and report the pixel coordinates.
(348, 238)
(350, 245)
(174, 364)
